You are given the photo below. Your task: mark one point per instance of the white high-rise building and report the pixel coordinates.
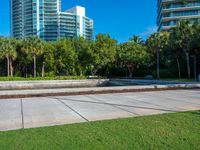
(44, 18)
(74, 22)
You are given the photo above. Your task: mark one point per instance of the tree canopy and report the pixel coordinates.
(163, 54)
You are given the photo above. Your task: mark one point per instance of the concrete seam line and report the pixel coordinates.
(72, 110)
(149, 103)
(22, 113)
(118, 107)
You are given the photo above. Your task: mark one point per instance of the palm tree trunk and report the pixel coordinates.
(43, 69)
(188, 65)
(195, 68)
(34, 66)
(179, 69)
(8, 66)
(26, 72)
(158, 64)
(23, 71)
(11, 68)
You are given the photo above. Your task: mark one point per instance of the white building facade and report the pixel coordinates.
(44, 18)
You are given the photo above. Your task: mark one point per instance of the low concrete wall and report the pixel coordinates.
(54, 84)
(19, 85)
(124, 82)
(199, 78)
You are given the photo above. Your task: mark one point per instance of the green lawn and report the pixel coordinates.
(168, 131)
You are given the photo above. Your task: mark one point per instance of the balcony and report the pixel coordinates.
(180, 18)
(180, 9)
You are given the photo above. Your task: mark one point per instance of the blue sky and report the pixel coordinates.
(119, 18)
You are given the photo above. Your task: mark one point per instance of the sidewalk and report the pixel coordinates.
(48, 111)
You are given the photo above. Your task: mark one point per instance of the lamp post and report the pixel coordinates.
(195, 67)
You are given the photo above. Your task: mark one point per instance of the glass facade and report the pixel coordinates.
(69, 25)
(43, 18)
(16, 18)
(48, 19)
(171, 11)
(87, 28)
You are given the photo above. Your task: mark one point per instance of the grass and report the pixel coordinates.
(43, 78)
(168, 131)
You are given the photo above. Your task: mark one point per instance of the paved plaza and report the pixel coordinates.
(58, 110)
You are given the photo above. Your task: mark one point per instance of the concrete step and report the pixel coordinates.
(90, 90)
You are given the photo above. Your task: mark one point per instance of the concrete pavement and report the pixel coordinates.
(57, 110)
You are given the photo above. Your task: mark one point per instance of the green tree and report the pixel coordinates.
(195, 47)
(33, 46)
(23, 61)
(156, 43)
(65, 57)
(195, 43)
(83, 49)
(102, 53)
(48, 59)
(175, 53)
(1, 44)
(132, 55)
(183, 34)
(8, 51)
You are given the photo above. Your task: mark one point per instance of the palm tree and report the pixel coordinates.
(156, 43)
(1, 43)
(195, 46)
(33, 46)
(136, 39)
(183, 34)
(8, 51)
(184, 2)
(175, 52)
(3, 48)
(12, 54)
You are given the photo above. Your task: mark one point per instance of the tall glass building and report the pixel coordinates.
(172, 11)
(44, 18)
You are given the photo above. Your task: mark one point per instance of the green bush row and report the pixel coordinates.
(43, 78)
